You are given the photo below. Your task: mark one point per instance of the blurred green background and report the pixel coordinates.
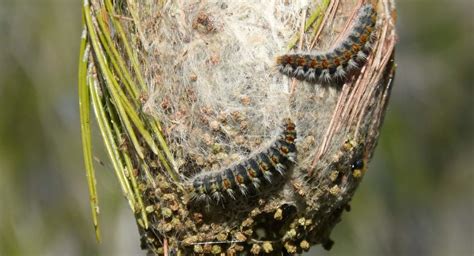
(416, 199)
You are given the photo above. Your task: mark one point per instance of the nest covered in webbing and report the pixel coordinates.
(212, 85)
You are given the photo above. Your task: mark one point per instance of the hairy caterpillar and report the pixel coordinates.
(250, 175)
(350, 54)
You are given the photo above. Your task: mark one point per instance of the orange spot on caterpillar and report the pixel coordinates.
(314, 63)
(240, 179)
(324, 63)
(226, 184)
(301, 61)
(347, 55)
(290, 138)
(251, 172)
(364, 38)
(284, 150)
(355, 48)
(264, 167)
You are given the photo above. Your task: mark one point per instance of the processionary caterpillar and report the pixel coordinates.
(251, 175)
(349, 55)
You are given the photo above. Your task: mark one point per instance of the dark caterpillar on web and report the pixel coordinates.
(349, 55)
(249, 176)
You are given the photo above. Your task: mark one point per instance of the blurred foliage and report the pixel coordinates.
(416, 199)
